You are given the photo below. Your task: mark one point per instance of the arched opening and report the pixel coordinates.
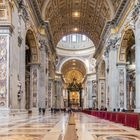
(27, 73)
(127, 55)
(130, 73)
(75, 94)
(31, 57)
(74, 74)
(75, 41)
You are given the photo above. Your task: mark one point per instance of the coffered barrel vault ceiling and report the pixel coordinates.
(78, 16)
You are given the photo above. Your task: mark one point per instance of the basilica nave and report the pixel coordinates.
(69, 69)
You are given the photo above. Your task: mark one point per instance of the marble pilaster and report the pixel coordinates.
(34, 85)
(101, 93)
(51, 93)
(42, 76)
(122, 86)
(107, 80)
(113, 73)
(137, 55)
(58, 93)
(5, 97)
(90, 94)
(4, 71)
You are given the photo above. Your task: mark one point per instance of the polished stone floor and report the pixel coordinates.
(53, 127)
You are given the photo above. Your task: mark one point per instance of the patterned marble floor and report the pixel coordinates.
(48, 127)
(53, 127)
(92, 128)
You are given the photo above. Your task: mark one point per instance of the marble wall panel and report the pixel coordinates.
(3, 70)
(34, 87)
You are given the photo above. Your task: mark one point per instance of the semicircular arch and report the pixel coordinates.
(31, 43)
(127, 40)
(73, 58)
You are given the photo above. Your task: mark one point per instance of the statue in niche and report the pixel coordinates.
(131, 90)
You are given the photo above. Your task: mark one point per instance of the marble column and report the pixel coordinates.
(137, 51)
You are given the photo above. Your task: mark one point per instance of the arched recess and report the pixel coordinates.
(73, 68)
(73, 58)
(31, 59)
(101, 85)
(128, 39)
(127, 57)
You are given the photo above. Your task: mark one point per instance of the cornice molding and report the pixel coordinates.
(6, 28)
(36, 11)
(114, 22)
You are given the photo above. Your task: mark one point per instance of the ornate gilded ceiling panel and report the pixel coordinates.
(40, 2)
(78, 16)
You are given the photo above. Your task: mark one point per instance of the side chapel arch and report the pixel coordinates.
(126, 56)
(127, 36)
(31, 59)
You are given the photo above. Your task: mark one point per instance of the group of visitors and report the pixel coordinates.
(55, 110)
(99, 109)
(42, 111)
(105, 109)
(119, 110)
(68, 110)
